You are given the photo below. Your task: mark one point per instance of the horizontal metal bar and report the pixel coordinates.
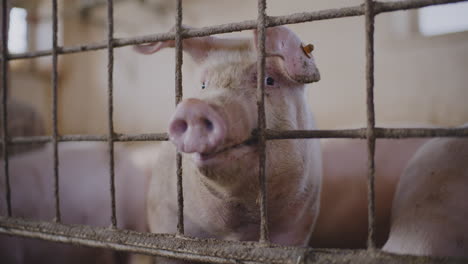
(69, 138)
(142, 137)
(392, 6)
(394, 133)
(380, 7)
(193, 249)
(206, 250)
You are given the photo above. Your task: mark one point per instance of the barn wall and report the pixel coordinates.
(419, 80)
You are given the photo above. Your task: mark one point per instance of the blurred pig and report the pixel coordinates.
(342, 221)
(23, 121)
(220, 164)
(430, 209)
(84, 199)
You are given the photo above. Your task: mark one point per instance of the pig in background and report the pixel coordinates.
(430, 210)
(23, 121)
(421, 187)
(342, 221)
(220, 167)
(85, 200)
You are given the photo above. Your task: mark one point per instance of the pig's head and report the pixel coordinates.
(216, 126)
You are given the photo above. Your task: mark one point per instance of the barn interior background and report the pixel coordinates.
(419, 79)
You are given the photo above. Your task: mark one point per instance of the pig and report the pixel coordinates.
(220, 163)
(23, 121)
(84, 200)
(342, 222)
(430, 210)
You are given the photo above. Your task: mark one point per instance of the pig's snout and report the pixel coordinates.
(197, 127)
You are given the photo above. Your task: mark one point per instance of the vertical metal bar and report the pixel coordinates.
(369, 23)
(178, 95)
(261, 28)
(110, 104)
(5, 15)
(58, 216)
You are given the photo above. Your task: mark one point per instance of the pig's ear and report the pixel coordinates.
(297, 58)
(198, 48)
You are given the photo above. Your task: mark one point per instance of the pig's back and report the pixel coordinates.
(84, 197)
(430, 209)
(84, 184)
(344, 192)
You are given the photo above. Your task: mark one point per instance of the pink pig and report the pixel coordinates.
(430, 210)
(220, 166)
(342, 221)
(85, 200)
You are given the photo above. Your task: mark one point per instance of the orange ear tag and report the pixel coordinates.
(307, 49)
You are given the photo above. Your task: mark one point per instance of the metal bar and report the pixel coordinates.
(5, 15)
(380, 7)
(261, 35)
(390, 133)
(369, 24)
(58, 216)
(178, 97)
(393, 133)
(71, 138)
(201, 250)
(391, 6)
(110, 105)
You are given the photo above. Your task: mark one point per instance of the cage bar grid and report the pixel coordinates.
(211, 250)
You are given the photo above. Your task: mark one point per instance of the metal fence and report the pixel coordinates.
(177, 245)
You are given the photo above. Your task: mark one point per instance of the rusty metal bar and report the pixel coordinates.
(391, 133)
(261, 35)
(110, 105)
(5, 15)
(201, 250)
(369, 24)
(392, 6)
(58, 216)
(71, 138)
(178, 97)
(380, 7)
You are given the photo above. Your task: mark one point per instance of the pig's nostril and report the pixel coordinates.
(179, 127)
(208, 124)
(197, 127)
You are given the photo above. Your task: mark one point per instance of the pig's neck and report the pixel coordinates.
(292, 201)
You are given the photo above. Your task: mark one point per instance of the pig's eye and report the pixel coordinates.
(269, 81)
(203, 86)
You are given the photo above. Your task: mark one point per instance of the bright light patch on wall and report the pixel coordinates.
(443, 19)
(17, 34)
